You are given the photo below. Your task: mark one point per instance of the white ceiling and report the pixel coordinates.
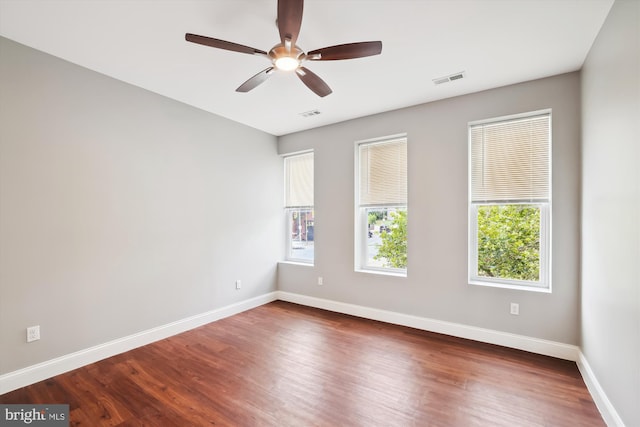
(141, 42)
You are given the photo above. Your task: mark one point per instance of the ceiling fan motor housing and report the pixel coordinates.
(294, 56)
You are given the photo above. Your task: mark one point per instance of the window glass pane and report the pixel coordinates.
(386, 234)
(301, 234)
(509, 241)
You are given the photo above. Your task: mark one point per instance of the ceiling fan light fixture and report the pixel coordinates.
(286, 63)
(287, 56)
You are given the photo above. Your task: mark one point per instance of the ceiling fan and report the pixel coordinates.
(287, 56)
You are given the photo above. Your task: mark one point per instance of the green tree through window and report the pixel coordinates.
(509, 241)
(393, 248)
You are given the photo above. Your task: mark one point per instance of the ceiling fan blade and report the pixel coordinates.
(289, 20)
(313, 82)
(222, 44)
(255, 80)
(346, 51)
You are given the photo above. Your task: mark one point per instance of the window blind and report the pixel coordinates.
(510, 160)
(299, 180)
(383, 173)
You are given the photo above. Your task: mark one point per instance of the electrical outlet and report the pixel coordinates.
(515, 309)
(33, 333)
(238, 284)
(320, 281)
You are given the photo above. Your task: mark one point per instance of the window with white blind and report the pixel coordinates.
(510, 201)
(381, 205)
(298, 188)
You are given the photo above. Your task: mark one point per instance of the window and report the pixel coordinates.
(381, 205)
(298, 209)
(510, 202)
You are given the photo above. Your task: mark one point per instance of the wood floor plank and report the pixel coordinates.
(282, 364)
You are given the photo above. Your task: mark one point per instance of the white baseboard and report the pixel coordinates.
(520, 342)
(534, 345)
(608, 412)
(41, 371)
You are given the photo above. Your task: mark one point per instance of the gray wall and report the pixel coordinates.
(121, 210)
(611, 209)
(436, 286)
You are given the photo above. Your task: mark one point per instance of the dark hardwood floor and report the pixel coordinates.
(283, 364)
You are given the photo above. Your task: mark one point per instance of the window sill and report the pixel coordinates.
(293, 262)
(382, 272)
(511, 286)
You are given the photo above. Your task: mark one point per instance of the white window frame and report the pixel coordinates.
(288, 210)
(544, 284)
(289, 241)
(361, 217)
(545, 232)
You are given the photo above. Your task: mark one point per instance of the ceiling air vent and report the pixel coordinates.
(447, 79)
(310, 113)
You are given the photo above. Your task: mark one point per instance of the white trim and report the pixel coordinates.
(606, 408)
(381, 139)
(289, 209)
(41, 371)
(292, 262)
(525, 115)
(360, 217)
(546, 242)
(296, 153)
(520, 342)
(395, 272)
(508, 285)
